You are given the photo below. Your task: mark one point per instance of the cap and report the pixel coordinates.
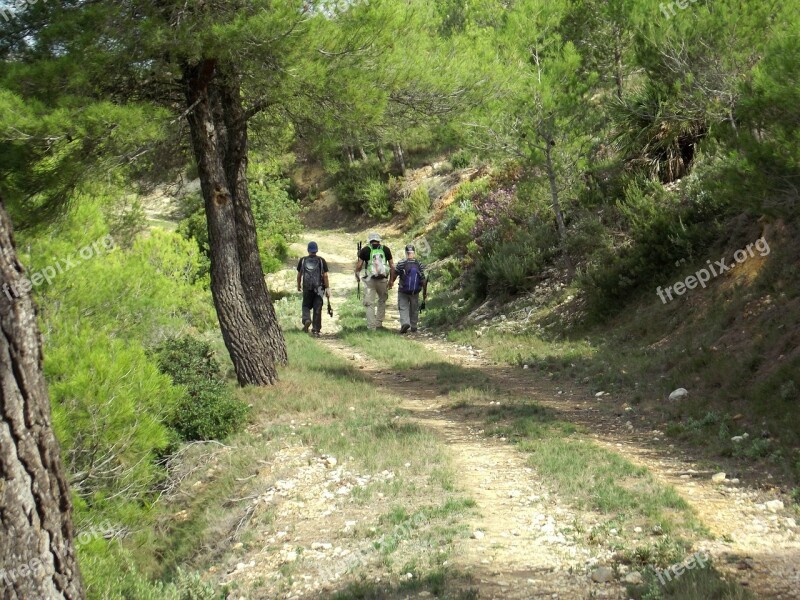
(312, 247)
(374, 236)
(410, 248)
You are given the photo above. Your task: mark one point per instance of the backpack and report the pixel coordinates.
(312, 273)
(411, 280)
(376, 267)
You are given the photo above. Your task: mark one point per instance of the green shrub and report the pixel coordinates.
(461, 159)
(360, 188)
(375, 198)
(513, 266)
(209, 410)
(417, 205)
(664, 230)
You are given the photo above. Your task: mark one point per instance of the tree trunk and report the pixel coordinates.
(252, 272)
(399, 158)
(252, 358)
(381, 158)
(362, 153)
(37, 552)
(618, 74)
(562, 229)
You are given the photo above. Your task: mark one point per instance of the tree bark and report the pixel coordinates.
(381, 158)
(252, 358)
(252, 272)
(399, 158)
(37, 551)
(562, 229)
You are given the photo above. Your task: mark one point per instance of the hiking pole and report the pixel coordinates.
(358, 293)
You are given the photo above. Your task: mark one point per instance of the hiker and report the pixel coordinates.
(412, 281)
(380, 269)
(312, 280)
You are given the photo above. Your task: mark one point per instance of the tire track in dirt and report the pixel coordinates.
(524, 544)
(751, 544)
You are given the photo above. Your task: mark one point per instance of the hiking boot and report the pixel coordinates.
(404, 328)
(306, 325)
(315, 333)
(413, 330)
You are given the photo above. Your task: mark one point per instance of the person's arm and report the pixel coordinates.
(327, 285)
(424, 289)
(392, 274)
(300, 276)
(359, 265)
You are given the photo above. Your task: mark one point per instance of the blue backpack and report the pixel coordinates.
(411, 280)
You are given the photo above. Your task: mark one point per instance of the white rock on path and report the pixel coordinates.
(679, 394)
(718, 477)
(602, 575)
(774, 505)
(634, 578)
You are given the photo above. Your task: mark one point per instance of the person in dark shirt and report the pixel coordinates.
(379, 273)
(411, 274)
(312, 280)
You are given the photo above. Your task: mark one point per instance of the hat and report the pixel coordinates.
(410, 248)
(374, 237)
(312, 247)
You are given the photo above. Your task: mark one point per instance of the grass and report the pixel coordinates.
(626, 497)
(734, 349)
(325, 403)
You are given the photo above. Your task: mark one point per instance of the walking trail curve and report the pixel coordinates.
(523, 548)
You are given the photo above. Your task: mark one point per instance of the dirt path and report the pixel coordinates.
(523, 548)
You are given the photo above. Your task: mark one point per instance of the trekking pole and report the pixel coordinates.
(358, 293)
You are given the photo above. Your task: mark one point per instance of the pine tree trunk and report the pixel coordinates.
(562, 229)
(252, 358)
(381, 158)
(399, 158)
(252, 272)
(362, 153)
(37, 552)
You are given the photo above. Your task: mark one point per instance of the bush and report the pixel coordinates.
(375, 199)
(512, 266)
(360, 188)
(461, 159)
(417, 204)
(663, 230)
(209, 410)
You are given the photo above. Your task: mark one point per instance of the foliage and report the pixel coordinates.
(461, 159)
(417, 205)
(208, 410)
(515, 265)
(360, 188)
(664, 231)
(276, 215)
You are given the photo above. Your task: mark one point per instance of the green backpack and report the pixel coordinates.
(376, 267)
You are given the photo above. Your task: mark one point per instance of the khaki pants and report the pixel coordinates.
(375, 298)
(408, 305)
